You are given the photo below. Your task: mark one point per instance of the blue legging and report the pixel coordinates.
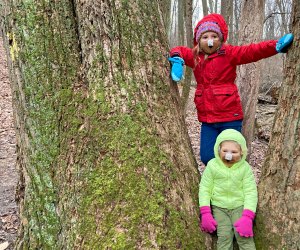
(209, 134)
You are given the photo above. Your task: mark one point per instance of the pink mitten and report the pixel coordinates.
(208, 223)
(244, 224)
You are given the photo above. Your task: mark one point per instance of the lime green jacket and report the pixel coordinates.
(228, 187)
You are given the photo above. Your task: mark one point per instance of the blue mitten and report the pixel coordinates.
(284, 43)
(177, 68)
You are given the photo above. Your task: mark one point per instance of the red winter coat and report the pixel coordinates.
(216, 97)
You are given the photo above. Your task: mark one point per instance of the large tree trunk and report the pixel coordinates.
(103, 152)
(251, 29)
(277, 222)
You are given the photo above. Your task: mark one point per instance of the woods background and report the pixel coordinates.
(103, 153)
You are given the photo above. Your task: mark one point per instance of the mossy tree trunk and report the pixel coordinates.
(251, 30)
(277, 225)
(103, 152)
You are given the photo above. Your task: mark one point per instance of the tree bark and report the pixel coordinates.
(227, 13)
(236, 21)
(102, 147)
(211, 6)
(204, 7)
(166, 12)
(189, 38)
(277, 223)
(181, 22)
(251, 30)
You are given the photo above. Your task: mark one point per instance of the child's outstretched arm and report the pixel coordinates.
(256, 51)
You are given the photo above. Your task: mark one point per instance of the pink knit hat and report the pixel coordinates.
(208, 26)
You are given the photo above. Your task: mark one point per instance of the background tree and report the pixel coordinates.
(278, 16)
(166, 9)
(181, 22)
(251, 30)
(204, 7)
(277, 224)
(188, 17)
(227, 13)
(102, 148)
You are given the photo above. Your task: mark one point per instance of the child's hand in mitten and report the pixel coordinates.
(244, 225)
(177, 68)
(208, 223)
(284, 43)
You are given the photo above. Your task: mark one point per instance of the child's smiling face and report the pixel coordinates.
(209, 42)
(230, 152)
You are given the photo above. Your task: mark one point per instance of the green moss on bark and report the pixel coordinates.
(99, 173)
(264, 238)
(48, 66)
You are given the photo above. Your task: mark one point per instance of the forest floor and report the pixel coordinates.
(9, 220)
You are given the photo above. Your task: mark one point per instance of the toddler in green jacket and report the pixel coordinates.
(228, 186)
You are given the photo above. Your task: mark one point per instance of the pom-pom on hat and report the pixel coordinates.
(208, 26)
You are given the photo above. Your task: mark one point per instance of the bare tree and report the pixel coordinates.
(270, 20)
(181, 22)
(189, 38)
(278, 14)
(166, 10)
(277, 223)
(236, 21)
(251, 30)
(227, 13)
(204, 7)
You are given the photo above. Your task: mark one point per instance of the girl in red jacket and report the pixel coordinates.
(214, 65)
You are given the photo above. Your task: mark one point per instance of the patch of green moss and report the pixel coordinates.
(264, 239)
(119, 188)
(48, 67)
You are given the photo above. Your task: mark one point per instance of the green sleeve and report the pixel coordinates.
(250, 190)
(205, 187)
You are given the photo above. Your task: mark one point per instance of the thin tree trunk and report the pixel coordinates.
(181, 21)
(103, 151)
(277, 223)
(211, 6)
(284, 26)
(204, 7)
(251, 30)
(166, 11)
(236, 21)
(216, 6)
(227, 12)
(189, 39)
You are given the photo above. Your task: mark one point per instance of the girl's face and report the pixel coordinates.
(230, 152)
(209, 42)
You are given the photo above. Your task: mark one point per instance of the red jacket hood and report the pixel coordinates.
(219, 19)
